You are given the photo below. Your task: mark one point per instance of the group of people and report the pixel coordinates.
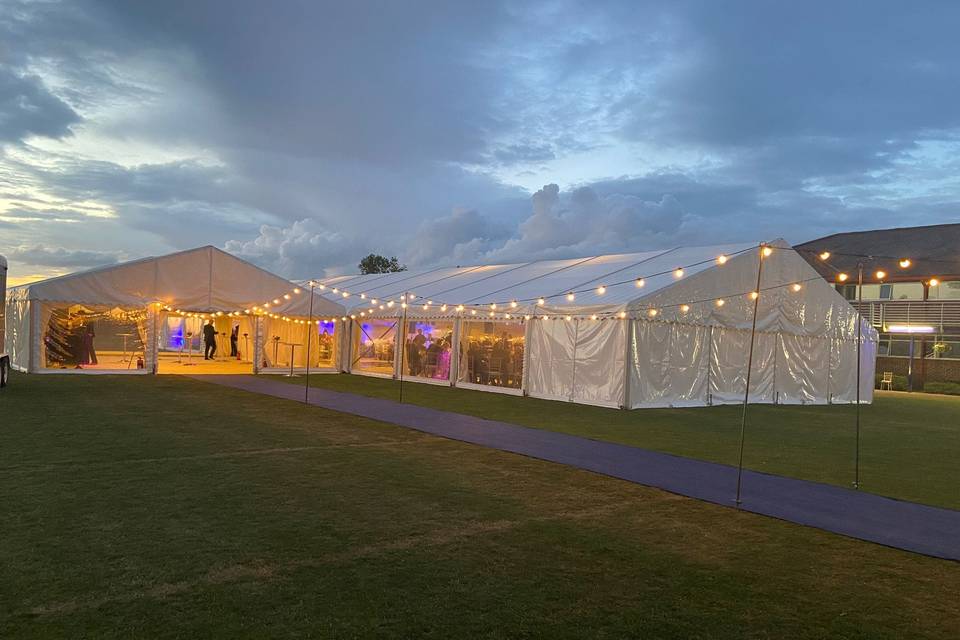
(69, 340)
(428, 356)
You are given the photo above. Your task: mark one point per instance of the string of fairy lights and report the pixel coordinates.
(536, 308)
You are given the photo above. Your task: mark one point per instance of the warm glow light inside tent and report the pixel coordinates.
(684, 308)
(766, 252)
(905, 263)
(842, 277)
(910, 328)
(652, 313)
(286, 296)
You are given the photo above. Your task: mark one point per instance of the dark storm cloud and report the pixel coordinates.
(28, 108)
(58, 257)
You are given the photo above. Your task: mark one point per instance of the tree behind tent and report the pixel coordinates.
(374, 263)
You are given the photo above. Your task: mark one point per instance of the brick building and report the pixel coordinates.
(914, 305)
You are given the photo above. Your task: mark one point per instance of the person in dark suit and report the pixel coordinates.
(234, 336)
(209, 340)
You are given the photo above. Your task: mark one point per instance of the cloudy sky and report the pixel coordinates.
(304, 134)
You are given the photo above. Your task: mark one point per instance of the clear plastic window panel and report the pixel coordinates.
(374, 346)
(93, 337)
(428, 346)
(491, 353)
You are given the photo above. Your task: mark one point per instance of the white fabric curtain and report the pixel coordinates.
(729, 351)
(579, 361)
(669, 364)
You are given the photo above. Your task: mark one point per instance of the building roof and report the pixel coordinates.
(934, 252)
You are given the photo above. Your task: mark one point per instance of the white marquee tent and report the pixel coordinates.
(136, 305)
(637, 333)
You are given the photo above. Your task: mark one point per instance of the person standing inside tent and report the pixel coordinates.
(234, 336)
(209, 340)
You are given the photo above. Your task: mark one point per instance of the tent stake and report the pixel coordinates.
(306, 388)
(746, 392)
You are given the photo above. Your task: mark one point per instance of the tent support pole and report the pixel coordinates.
(306, 386)
(402, 340)
(856, 461)
(746, 391)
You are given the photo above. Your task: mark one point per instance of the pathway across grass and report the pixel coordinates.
(897, 523)
(909, 447)
(164, 507)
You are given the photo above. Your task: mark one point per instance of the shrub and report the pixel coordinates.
(948, 388)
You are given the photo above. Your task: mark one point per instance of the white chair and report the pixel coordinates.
(887, 380)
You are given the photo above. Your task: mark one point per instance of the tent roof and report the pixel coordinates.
(552, 279)
(201, 279)
(815, 310)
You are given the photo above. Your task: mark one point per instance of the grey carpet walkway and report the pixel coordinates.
(895, 523)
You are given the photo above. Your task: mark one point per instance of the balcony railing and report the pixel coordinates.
(938, 313)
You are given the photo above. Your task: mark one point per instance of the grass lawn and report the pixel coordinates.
(909, 446)
(166, 507)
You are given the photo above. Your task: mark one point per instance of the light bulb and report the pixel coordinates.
(766, 252)
(640, 282)
(652, 313)
(720, 302)
(296, 290)
(570, 297)
(601, 290)
(623, 314)
(541, 301)
(754, 295)
(934, 282)
(842, 277)
(513, 304)
(797, 287)
(905, 263)
(363, 296)
(276, 301)
(684, 308)
(825, 255)
(286, 296)
(678, 273)
(721, 259)
(881, 274)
